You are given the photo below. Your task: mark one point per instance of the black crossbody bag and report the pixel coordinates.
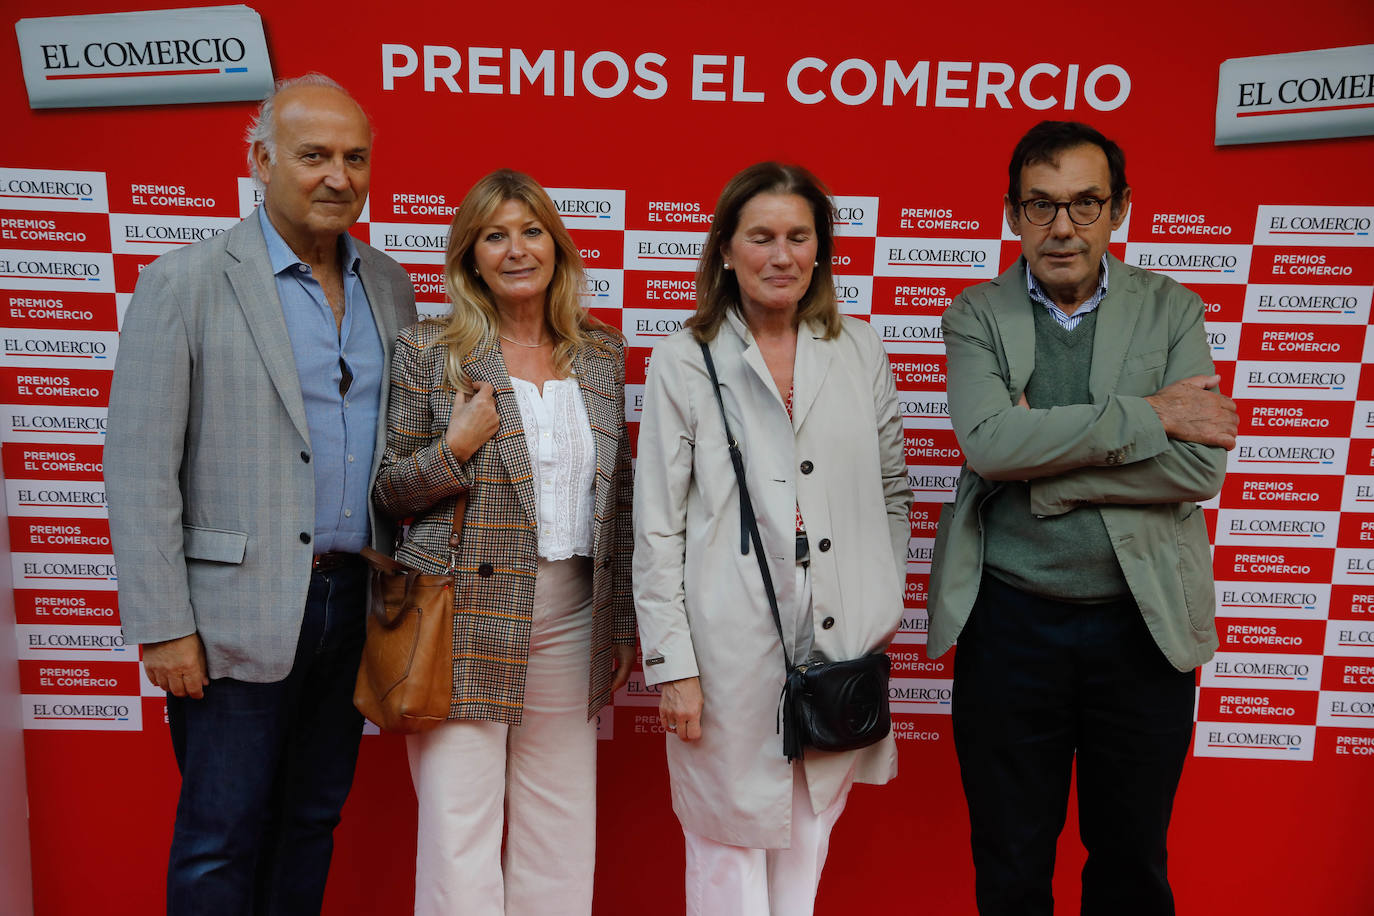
(829, 706)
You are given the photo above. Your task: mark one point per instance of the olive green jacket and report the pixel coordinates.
(1111, 453)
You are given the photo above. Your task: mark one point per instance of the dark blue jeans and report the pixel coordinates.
(265, 770)
(1040, 686)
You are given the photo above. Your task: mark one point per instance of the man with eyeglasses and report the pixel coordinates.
(1073, 566)
(245, 428)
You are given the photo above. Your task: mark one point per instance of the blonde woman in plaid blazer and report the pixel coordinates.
(543, 624)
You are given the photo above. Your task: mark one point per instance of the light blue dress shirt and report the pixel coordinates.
(343, 427)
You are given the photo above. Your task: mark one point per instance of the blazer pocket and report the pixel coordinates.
(1144, 362)
(213, 544)
(1195, 566)
(1143, 373)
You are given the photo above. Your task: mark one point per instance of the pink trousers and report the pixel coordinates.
(739, 881)
(537, 780)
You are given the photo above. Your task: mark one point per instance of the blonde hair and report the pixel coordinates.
(474, 321)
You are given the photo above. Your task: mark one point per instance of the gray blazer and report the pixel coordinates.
(211, 493)
(1111, 453)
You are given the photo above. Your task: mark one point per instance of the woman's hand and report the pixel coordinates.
(624, 661)
(473, 421)
(679, 708)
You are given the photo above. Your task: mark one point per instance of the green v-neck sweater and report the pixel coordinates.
(1066, 557)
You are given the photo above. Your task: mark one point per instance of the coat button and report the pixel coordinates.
(305, 537)
(824, 545)
(827, 623)
(305, 456)
(807, 467)
(484, 570)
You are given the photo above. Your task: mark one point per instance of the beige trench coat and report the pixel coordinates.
(701, 604)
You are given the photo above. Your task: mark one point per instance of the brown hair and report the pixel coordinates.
(718, 288)
(1046, 140)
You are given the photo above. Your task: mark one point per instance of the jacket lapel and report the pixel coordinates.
(753, 357)
(380, 300)
(596, 377)
(485, 364)
(1115, 327)
(250, 275)
(379, 297)
(808, 374)
(1015, 325)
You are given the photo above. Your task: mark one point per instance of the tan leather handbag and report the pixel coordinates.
(405, 681)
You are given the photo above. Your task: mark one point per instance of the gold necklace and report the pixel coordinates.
(521, 343)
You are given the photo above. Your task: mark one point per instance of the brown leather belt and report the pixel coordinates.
(334, 559)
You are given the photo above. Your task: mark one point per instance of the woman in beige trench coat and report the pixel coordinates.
(810, 396)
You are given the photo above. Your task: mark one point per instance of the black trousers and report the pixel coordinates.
(1038, 683)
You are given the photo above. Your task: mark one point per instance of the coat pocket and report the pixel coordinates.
(1143, 373)
(1195, 566)
(214, 544)
(1143, 362)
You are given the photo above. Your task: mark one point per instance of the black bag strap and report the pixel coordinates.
(749, 529)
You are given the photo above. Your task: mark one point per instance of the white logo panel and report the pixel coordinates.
(53, 190)
(857, 216)
(57, 271)
(936, 257)
(1297, 304)
(411, 243)
(676, 251)
(1228, 264)
(589, 208)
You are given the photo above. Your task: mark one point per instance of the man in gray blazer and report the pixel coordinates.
(245, 427)
(1073, 566)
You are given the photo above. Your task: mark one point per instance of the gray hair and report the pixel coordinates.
(263, 130)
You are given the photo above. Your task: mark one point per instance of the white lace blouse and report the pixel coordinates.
(563, 459)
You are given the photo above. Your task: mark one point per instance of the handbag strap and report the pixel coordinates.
(383, 563)
(749, 529)
(383, 566)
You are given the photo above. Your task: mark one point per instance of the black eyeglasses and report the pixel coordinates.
(345, 378)
(1082, 212)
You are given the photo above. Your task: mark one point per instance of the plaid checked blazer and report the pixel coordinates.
(497, 561)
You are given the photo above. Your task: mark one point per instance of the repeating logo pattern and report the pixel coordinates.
(1288, 317)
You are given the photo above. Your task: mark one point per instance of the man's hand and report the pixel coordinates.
(472, 422)
(679, 707)
(1192, 410)
(177, 666)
